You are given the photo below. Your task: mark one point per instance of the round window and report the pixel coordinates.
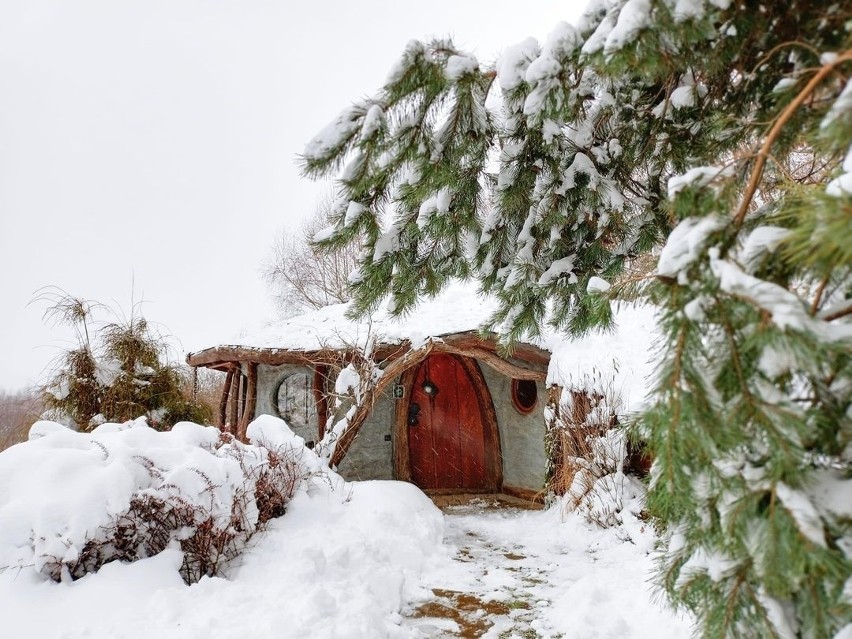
(524, 394)
(294, 401)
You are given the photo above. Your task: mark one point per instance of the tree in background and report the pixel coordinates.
(302, 277)
(18, 411)
(116, 372)
(715, 134)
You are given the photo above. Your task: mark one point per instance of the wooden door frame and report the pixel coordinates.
(491, 433)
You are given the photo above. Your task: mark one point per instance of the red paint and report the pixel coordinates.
(447, 445)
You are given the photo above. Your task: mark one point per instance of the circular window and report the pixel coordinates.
(524, 394)
(294, 400)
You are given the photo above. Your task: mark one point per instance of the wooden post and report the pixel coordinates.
(235, 401)
(249, 402)
(243, 396)
(223, 403)
(321, 398)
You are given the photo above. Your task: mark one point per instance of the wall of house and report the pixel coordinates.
(268, 380)
(371, 454)
(521, 436)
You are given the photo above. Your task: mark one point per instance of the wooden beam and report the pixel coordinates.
(525, 352)
(220, 356)
(533, 496)
(493, 360)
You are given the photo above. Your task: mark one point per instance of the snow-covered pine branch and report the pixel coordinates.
(672, 127)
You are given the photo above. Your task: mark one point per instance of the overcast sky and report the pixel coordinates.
(148, 147)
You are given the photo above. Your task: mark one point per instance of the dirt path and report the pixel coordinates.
(497, 584)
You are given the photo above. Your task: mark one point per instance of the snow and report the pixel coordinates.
(457, 309)
(563, 40)
(460, 65)
(842, 185)
(597, 285)
(784, 84)
(697, 177)
(348, 381)
(542, 68)
(634, 16)
(619, 362)
(373, 121)
(596, 41)
(762, 240)
(323, 234)
(683, 97)
(685, 243)
(345, 560)
(353, 212)
(786, 308)
(436, 203)
(338, 564)
(620, 356)
(513, 63)
(804, 513)
(64, 488)
(335, 134)
(552, 574)
(559, 267)
(841, 106)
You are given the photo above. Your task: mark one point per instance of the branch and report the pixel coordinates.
(775, 131)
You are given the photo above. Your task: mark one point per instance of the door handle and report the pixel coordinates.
(413, 414)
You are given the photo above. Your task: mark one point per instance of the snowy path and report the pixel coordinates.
(516, 573)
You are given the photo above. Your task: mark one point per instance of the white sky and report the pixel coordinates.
(154, 142)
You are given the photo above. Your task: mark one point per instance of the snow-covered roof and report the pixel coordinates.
(620, 358)
(459, 308)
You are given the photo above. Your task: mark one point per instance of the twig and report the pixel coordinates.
(774, 132)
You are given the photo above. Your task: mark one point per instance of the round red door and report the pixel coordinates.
(447, 433)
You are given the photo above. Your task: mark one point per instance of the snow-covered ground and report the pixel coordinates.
(362, 559)
(520, 573)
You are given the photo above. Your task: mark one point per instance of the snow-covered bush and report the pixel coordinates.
(116, 372)
(590, 450)
(72, 502)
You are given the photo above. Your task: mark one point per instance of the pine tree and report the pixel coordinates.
(714, 133)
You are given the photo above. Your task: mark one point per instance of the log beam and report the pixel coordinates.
(493, 360)
(249, 401)
(223, 402)
(233, 413)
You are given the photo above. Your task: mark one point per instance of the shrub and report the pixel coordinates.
(590, 451)
(194, 487)
(117, 372)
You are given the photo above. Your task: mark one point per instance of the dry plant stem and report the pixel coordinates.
(783, 118)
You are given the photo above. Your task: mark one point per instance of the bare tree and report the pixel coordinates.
(18, 411)
(300, 277)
